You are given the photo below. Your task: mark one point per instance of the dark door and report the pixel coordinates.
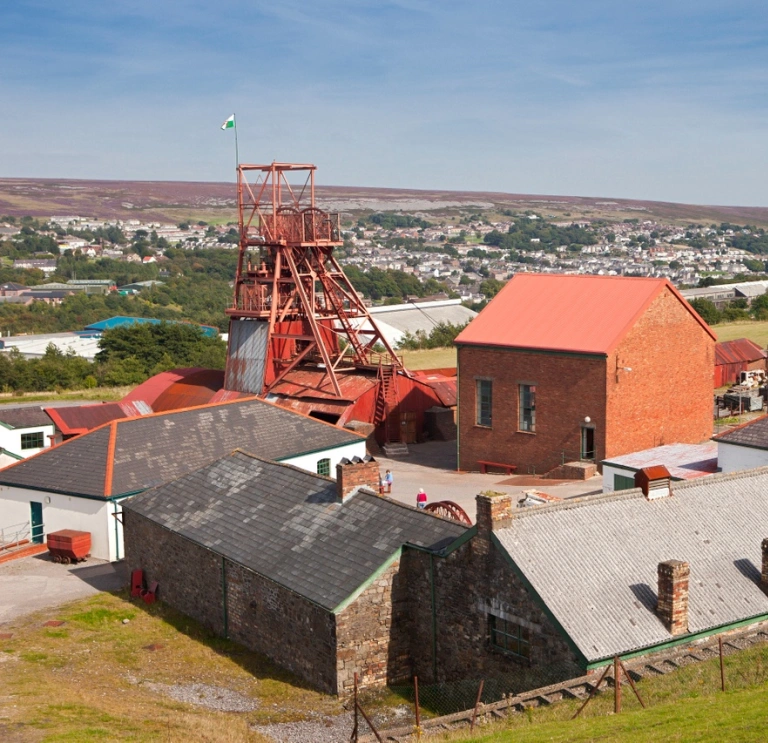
(36, 521)
(587, 443)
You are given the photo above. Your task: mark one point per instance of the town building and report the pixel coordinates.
(308, 571)
(82, 483)
(570, 368)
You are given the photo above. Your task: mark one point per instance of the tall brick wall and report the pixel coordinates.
(373, 634)
(667, 397)
(568, 389)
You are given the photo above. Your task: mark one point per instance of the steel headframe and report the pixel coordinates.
(295, 282)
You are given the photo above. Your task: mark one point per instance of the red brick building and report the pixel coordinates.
(560, 368)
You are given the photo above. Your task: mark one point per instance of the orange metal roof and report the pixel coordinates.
(739, 350)
(580, 314)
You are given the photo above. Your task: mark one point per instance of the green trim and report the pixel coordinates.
(541, 603)
(7, 425)
(10, 454)
(684, 640)
(373, 577)
(102, 498)
(117, 530)
(545, 351)
(358, 440)
(463, 539)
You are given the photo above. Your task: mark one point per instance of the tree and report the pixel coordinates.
(709, 313)
(491, 287)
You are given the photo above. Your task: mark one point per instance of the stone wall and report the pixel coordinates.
(469, 584)
(373, 633)
(189, 575)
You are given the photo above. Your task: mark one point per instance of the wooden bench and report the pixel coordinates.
(508, 468)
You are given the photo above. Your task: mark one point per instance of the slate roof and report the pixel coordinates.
(132, 454)
(24, 417)
(753, 434)
(594, 562)
(580, 314)
(287, 525)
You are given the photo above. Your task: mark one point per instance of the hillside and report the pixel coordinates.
(170, 201)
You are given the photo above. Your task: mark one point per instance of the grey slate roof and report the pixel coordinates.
(594, 562)
(154, 449)
(286, 524)
(24, 417)
(753, 434)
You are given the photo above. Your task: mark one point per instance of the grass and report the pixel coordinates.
(96, 394)
(89, 679)
(686, 705)
(755, 330)
(433, 358)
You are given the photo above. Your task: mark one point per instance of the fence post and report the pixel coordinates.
(353, 738)
(416, 702)
(722, 664)
(616, 686)
(477, 704)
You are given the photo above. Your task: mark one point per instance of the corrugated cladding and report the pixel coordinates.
(247, 357)
(733, 357)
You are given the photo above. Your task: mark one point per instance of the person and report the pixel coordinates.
(388, 479)
(421, 499)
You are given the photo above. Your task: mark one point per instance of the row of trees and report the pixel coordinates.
(735, 310)
(127, 356)
(441, 336)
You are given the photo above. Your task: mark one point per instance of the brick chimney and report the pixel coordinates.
(494, 511)
(355, 473)
(764, 572)
(672, 606)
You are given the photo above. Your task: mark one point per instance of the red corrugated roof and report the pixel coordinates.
(178, 388)
(734, 352)
(79, 419)
(581, 314)
(315, 383)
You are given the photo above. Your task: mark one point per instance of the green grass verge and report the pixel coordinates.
(433, 358)
(96, 394)
(756, 331)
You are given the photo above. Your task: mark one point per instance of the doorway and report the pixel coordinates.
(587, 443)
(36, 522)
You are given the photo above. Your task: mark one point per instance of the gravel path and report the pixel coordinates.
(323, 730)
(204, 695)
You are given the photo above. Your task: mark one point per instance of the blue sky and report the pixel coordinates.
(640, 99)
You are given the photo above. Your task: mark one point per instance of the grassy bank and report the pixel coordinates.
(95, 394)
(432, 358)
(756, 331)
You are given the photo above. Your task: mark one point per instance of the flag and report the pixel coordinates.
(229, 123)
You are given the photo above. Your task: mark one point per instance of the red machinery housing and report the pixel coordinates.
(299, 334)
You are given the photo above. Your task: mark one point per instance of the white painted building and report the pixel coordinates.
(23, 432)
(744, 447)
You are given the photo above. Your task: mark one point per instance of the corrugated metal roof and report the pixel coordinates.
(443, 387)
(580, 314)
(79, 419)
(602, 588)
(120, 320)
(287, 525)
(155, 387)
(684, 461)
(741, 349)
(315, 383)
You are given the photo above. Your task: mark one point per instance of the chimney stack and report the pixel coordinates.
(672, 606)
(494, 511)
(355, 473)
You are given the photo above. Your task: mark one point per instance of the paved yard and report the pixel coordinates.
(432, 466)
(33, 583)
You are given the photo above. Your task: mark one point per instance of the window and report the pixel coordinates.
(527, 407)
(510, 636)
(622, 482)
(324, 467)
(484, 393)
(32, 440)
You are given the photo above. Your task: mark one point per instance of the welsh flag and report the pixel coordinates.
(229, 123)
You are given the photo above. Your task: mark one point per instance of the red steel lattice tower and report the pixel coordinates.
(293, 305)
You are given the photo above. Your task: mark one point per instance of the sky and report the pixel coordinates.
(649, 99)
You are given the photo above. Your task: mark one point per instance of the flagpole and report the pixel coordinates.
(237, 154)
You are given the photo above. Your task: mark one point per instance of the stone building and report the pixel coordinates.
(305, 570)
(563, 368)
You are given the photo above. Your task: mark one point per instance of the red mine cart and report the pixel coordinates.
(68, 546)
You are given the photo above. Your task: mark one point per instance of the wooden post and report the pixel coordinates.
(416, 702)
(616, 686)
(722, 664)
(594, 689)
(477, 704)
(632, 684)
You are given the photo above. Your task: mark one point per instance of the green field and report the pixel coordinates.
(756, 331)
(433, 358)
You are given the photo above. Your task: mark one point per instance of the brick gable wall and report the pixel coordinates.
(667, 397)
